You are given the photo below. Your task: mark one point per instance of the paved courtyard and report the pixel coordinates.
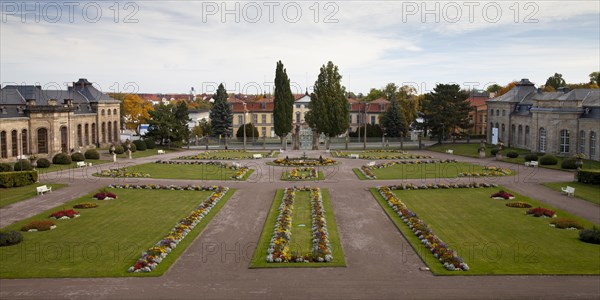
(380, 263)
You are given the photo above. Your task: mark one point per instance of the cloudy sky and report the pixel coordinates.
(170, 46)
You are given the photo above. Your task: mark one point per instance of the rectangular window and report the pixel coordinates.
(564, 141)
(254, 118)
(592, 144)
(372, 120)
(264, 119)
(240, 119)
(582, 141)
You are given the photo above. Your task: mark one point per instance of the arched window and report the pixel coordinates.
(94, 133)
(492, 112)
(109, 130)
(86, 135)
(108, 112)
(24, 143)
(102, 113)
(513, 134)
(79, 136)
(520, 135)
(297, 117)
(115, 111)
(581, 142)
(4, 151)
(526, 135)
(14, 143)
(564, 141)
(64, 147)
(103, 132)
(542, 140)
(592, 144)
(116, 129)
(42, 140)
(497, 112)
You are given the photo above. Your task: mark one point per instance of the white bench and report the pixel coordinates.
(450, 151)
(160, 151)
(570, 191)
(257, 156)
(371, 163)
(22, 156)
(355, 156)
(42, 189)
(531, 163)
(81, 164)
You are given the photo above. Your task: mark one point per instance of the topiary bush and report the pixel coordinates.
(140, 145)
(22, 165)
(588, 176)
(548, 160)
(119, 149)
(61, 159)
(43, 163)
(91, 154)
(569, 163)
(495, 151)
(15, 179)
(590, 235)
(531, 157)
(77, 156)
(4, 167)
(512, 154)
(150, 144)
(10, 238)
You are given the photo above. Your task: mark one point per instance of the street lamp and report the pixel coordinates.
(420, 121)
(245, 113)
(365, 140)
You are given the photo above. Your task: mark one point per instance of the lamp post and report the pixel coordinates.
(420, 121)
(245, 113)
(365, 140)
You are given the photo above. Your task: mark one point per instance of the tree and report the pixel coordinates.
(135, 111)
(250, 131)
(328, 107)
(506, 88)
(202, 129)
(182, 118)
(446, 109)
(374, 94)
(372, 131)
(595, 78)
(221, 117)
(283, 104)
(555, 81)
(493, 88)
(393, 120)
(168, 124)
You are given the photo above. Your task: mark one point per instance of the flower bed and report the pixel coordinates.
(363, 155)
(64, 214)
(487, 172)
(565, 223)
(367, 170)
(502, 195)
(104, 196)
(518, 204)
(432, 242)
(85, 205)
(121, 173)
(155, 254)
(296, 173)
(279, 250)
(410, 186)
(39, 225)
(541, 212)
(220, 155)
(165, 187)
(240, 171)
(304, 161)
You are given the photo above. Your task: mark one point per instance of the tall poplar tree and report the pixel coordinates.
(283, 104)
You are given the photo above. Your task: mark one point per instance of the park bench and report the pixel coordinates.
(160, 151)
(257, 156)
(370, 164)
(450, 151)
(81, 164)
(22, 156)
(531, 163)
(355, 156)
(570, 191)
(42, 189)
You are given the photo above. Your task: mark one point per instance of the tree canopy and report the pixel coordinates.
(393, 120)
(168, 123)
(446, 109)
(555, 81)
(283, 103)
(221, 116)
(251, 131)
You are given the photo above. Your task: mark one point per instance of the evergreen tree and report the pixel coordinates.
(168, 124)
(446, 109)
(328, 107)
(221, 116)
(283, 103)
(393, 120)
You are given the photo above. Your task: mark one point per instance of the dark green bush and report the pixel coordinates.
(590, 235)
(22, 165)
(495, 151)
(177, 144)
(150, 144)
(91, 154)
(77, 156)
(61, 159)
(43, 163)
(568, 163)
(512, 154)
(10, 238)
(589, 176)
(531, 157)
(133, 147)
(4, 167)
(15, 179)
(119, 149)
(548, 160)
(140, 145)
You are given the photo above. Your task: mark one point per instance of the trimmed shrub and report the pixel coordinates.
(119, 149)
(569, 163)
(512, 154)
(150, 144)
(91, 154)
(23, 165)
(39, 225)
(61, 159)
(587, 176)
(10, 238)
(531, 157)
(590, 235)
(564, 223)
(4, 167)
(77, 156)
(15, 179)
(133, 147)
(43, 163)
(495, 151)
(140, 145)
(548, 160)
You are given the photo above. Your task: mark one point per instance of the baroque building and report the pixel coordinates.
(46, 122)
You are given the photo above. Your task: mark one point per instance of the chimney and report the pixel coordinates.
(52, 102)
(31, 102)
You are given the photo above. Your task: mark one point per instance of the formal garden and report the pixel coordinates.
(231, 155)
(378, 154)
(428, 168)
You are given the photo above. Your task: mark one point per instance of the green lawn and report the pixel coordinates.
(197, 172)
(493, 238)
(585, 191)
(471, 150)
(421, 171)
(302, 211)
(587, 164)
(72, 165)
(13, 195)
(374, 154)
(107, 240)
(320, 176)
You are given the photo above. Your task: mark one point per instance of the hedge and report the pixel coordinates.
(140, 145)
(590, 235)
(531, 157)
(150, 144)
(77, 156)
(588, 176)
(15, 179)
(22, 165)
(10, 238)
(61, 159)
(43, 163)
(495, 151)
(91, 154)
(512, 154)
(569, 163)
(4, 167)
(547, 160)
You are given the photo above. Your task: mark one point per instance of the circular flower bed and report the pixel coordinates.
(502, 195)
(85, 205)
(121, 173)
(518, 204)
(64, 214)
(40, 225)
(104, 196)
